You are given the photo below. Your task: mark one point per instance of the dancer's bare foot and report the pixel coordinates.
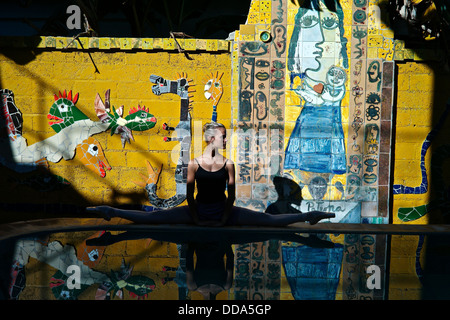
(105, 212)
(315, 216)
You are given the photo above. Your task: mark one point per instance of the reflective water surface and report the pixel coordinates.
(221, 264)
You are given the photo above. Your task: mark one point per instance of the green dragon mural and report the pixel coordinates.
(72, 128)
(138, 119)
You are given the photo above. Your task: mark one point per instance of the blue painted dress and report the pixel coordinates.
(317, 141)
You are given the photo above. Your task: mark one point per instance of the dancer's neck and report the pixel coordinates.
(211, 152)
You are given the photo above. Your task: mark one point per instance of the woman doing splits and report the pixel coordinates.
(213, 174)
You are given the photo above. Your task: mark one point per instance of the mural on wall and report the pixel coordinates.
(317, 61)
(183, 132)
(213, 90)
(91, 154)
(74, 131)
(439, 155)
(440, 202)
(139, 119)
(329, 114)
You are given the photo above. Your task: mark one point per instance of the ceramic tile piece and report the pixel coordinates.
(158, 43)
(104, 43)
(50, 42)
(147, 43)
(93, 43)
(211, 45)
(169, 44)
(125, 43)
(190, 44)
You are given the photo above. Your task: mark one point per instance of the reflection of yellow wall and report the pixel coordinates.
(127, 75)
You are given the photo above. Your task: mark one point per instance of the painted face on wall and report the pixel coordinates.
(140, 119)
(336, 76)
(316, 43)
(63, 112)
(213, 88)
(307, 51)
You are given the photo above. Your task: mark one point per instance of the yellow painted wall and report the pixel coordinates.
(422, 94)
(126, 74)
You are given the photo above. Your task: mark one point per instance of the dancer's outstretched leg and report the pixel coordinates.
(177, 215)
(249, 217)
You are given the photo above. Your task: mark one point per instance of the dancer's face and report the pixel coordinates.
(220, 138)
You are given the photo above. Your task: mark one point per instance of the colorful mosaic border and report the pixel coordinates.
(105, 43)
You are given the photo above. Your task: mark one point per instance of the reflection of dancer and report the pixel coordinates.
(213, 271)
(213, 174)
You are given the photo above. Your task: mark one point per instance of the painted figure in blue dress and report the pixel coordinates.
(317, 60)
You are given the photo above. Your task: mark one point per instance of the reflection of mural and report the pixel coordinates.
(138, 286)
(312, 273)
(316, 53)
(60, 258)
(85, 257)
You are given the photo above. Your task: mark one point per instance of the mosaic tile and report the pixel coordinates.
(147, 43)
(104, 43)
(94, 43)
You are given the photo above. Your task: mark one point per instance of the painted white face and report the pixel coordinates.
(319, 43)
(331, 45)
(336, 77)
(308, 53)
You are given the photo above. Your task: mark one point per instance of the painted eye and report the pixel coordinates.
(254, 48)
(329, 23)
(262, 63)
(65, 294)
(246, 94)
(208, 85)
(308, 21)
(93, 150)
(93, 255)
(143, 115)
(62, 107)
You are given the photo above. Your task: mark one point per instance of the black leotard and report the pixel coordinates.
(211, 185)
